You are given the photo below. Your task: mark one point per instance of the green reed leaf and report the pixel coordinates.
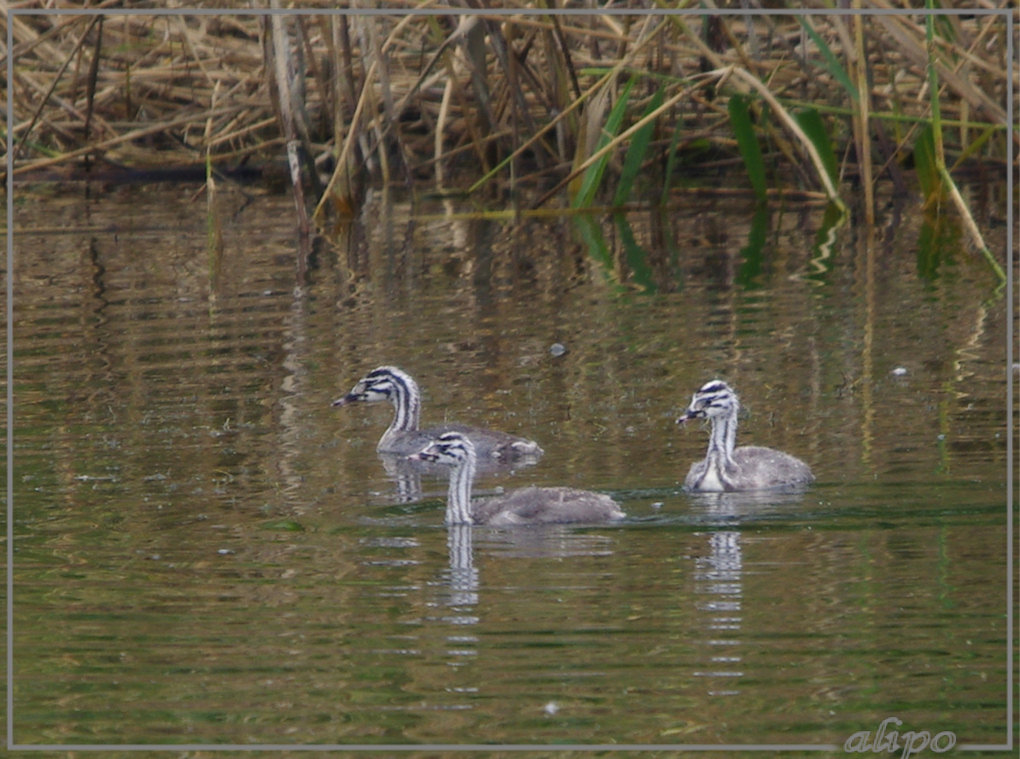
(750, 150)
(831, 62)
(593, 176)
(636, 152)
(925, 164)
(667, 180)
(810, 122)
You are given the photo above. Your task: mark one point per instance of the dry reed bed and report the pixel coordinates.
(490, 101)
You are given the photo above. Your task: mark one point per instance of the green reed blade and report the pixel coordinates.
(832, 64)
(925, 165)
(974, 146)
(667, 180)
(636, 153)
(810, 121)
(593, 176)
(750, 150)
(933, 88)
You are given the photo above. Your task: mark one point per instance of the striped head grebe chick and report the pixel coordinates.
(531, 505)
(402, 437)
(727, 468)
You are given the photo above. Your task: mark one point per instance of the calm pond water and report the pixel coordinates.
(207, 553)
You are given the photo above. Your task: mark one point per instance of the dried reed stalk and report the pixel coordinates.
(472, 99)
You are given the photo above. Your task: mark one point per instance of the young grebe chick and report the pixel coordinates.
(531, 505)
(728, 468)
(388, 383)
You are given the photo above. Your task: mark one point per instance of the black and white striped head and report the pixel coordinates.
(450, 448)
(383, 384)
(712, 399)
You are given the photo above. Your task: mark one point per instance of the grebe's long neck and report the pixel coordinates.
(721, 443)
(458, 500)
(406, 400)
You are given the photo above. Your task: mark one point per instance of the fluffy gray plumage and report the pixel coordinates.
(403, 437)
(727, 468)
(531, 505)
